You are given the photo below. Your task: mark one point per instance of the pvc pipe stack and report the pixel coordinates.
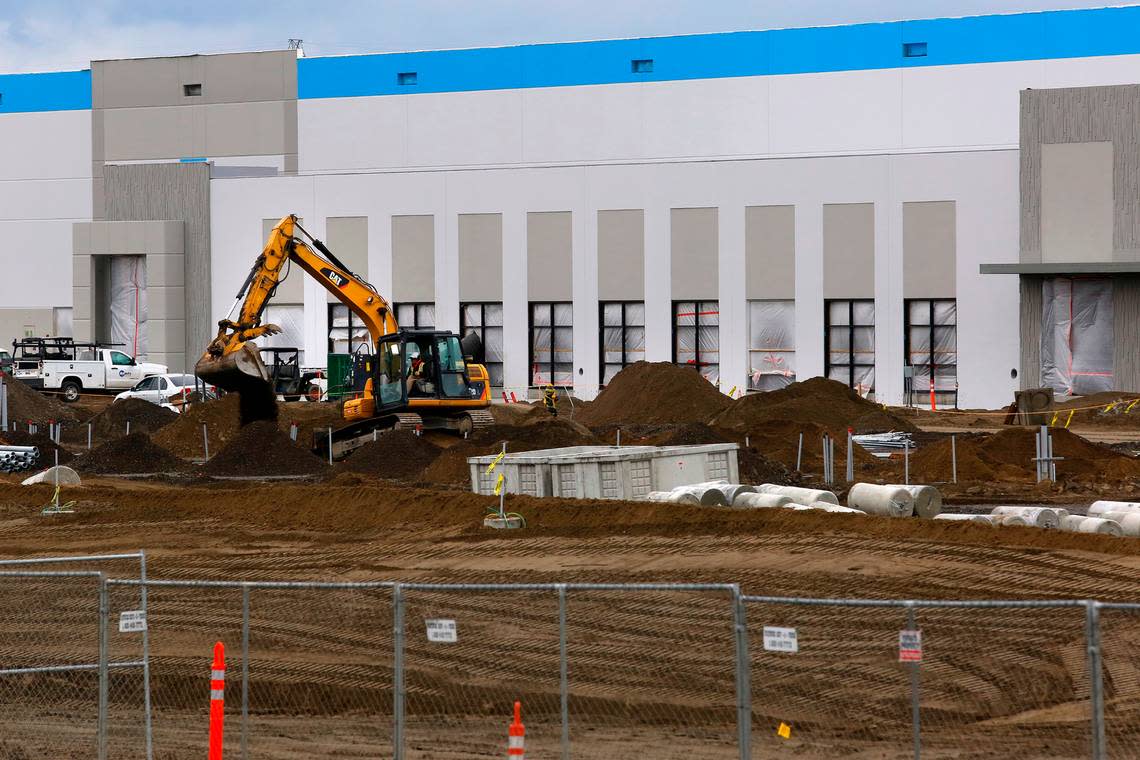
(1099, 507)
(1079, 524)
(927, 500)
(984, 519)
(1040, 517)
(1129, 522)
(761, 501)
(799, 495)
(673, 497)
(888, 501)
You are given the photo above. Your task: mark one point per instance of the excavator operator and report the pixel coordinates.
(419, 379)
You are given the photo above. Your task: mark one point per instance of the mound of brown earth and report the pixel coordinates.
(654, 392)
(144, 417)
(1008, 456)
(133, 454)
(399, 454)
(27, 404)
(827, 403)
(450, 467)
(183, 436)
(41, 441)
(260, 449)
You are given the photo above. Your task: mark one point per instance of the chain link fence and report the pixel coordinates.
(417, 671)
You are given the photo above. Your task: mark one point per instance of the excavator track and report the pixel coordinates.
(408, 421)
(481, 418)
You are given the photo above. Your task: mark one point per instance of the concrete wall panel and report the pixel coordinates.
(1076, 202)
(621, 255)
(849, 250)
(413, 258)
(770, 251)
(929, 249)
(549, 256)
(694, 253)
(480, 248)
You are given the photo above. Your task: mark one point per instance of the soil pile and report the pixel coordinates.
(145, 417)
(26, 403)
(827, 403)
(655, 392)
(451, 466)
(398, 454)
(1008, 456)
(46, 446)
(260, 449)
(183, 436)
(756, 468)
(133, 454)
(1112, 409)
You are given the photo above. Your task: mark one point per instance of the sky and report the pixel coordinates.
(50, 35)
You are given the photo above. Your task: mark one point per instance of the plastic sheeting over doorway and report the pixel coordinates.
(1077, 335)
(127, 299)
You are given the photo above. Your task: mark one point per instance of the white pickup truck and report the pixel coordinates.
(76, 369)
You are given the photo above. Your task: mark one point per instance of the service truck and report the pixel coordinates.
(61, 364)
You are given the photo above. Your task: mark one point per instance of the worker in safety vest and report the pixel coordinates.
(550, 398)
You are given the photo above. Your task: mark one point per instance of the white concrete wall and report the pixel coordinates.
(921, 108)
(45, 185)
(982, 183)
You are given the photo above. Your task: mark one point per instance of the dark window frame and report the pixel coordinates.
(416, 306)
(354, 322)
(481, 330)
(697, 363)
(532, 364)
(851, 364)
(602, 327)
(932, 366)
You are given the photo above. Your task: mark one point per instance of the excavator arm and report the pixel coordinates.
(230, 361)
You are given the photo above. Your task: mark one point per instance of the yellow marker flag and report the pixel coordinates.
(497, 459)
(1110, 407)
(499, 484)
(1128, 408)
(784, 731)
(1070, 418)
(732, 393)
(1053, 422)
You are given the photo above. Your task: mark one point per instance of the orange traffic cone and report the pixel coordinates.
(517, 736)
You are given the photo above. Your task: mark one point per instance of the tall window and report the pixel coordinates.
(552, 343)
(486, 320)
(623, 336)
(849, 329)
(291, 319)
(347, 333)
(696, 337)
(415, 315)
(771, 344)
(932, 347)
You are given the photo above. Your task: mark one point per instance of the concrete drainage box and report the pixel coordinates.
(606, 472)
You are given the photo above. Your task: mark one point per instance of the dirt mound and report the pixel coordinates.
(1008, 456)
(133, 454)
(183, 436)
(46, 446)
(655, 392)
(451, 465)
(756, 468)
(145, 417)
(26, 404)
(261, 449)
(399, 454)
(827, 403)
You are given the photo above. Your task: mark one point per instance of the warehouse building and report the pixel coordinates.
(886, 204)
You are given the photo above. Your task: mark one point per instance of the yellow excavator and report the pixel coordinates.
(420, 379)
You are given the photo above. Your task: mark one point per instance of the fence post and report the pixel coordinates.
(104, 614)
(146, 659)
(398, 672)
(563, 673)
(743, 676)
(1096, 681)
(245, 671)
(915, 713)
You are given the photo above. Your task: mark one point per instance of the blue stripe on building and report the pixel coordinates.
(52, 91)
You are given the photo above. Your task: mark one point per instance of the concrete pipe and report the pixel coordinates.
(1040, 517)
(1129, 522)
(826, 506)
(1079, 524)
(761, 501)
(927, 500)
(888, 501)
(673, 497)
(984, 519)
(799, 495)
(730, 490)
(1099, 507)
(708, 495)
(1012, 520)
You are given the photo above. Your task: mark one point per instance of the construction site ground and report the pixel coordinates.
(1007, 684)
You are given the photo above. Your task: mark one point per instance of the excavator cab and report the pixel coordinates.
(421, 368)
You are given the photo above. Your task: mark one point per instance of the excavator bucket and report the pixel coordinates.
(241, 370)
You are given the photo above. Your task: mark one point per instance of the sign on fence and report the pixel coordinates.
(132, 621)
(910, 646)
(780, 639)
(442, 631)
